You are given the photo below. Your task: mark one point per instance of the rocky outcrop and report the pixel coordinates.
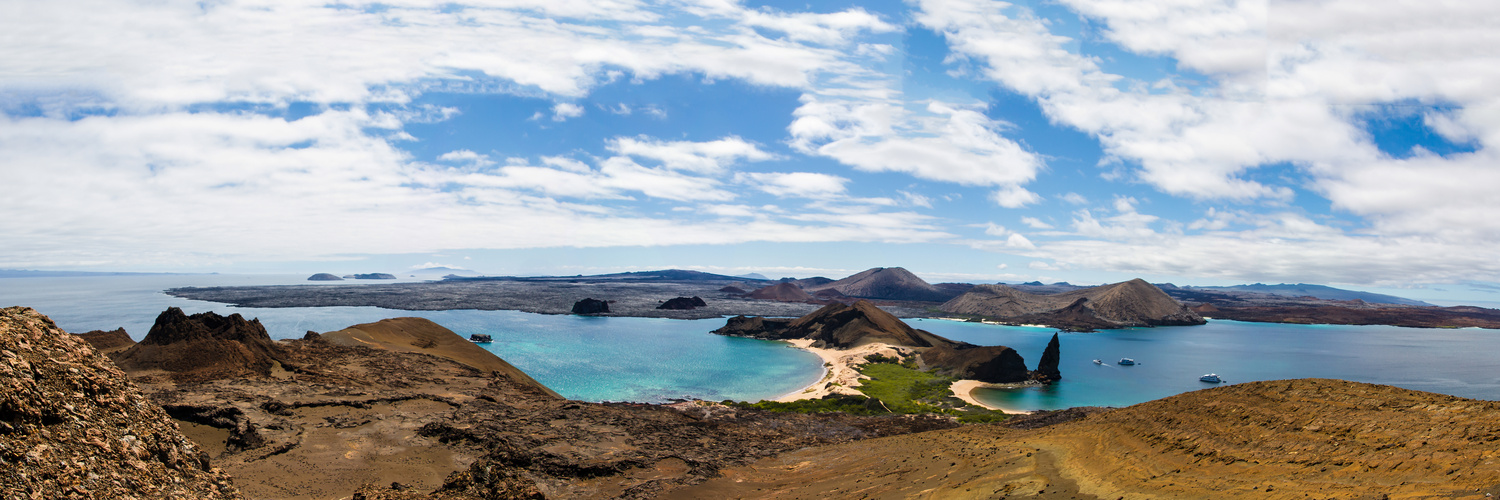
(886, 283)
(783, 292)
(732, 289)
(108, 342)
(994, 364)
(325, 277)
(202, 347)
(590, 306)
(421, 335)
(756, 327)
(1046, 369)
(73, 426)
(1120, 305)
(683, 303)
(840, 326)
(375, 276)
(481, 337)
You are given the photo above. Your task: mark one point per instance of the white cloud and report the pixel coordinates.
(701, 157)
(993, 229)
(565, 110)
(797, 184)
(915, 199)
(1014, 197)
(1074, 198)
(1035, 223)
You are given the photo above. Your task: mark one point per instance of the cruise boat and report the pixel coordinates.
(1211, 378)
(1127, 361)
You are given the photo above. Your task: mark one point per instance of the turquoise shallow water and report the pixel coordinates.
(650, 360)
(590, 359)
(1464, 362)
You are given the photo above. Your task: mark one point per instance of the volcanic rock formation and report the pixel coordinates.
(841, 326)
(784, 292)
(73, 426)
(423, 336)
(886, 283)
(683, 303)
(994, 364)
(204, 346)
(1125, 304)
(107, 342)
(324, 277)
(1046, 369)
(590, 306)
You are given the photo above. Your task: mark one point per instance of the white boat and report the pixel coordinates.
(1127, 361)
(1098, 361)
(1211, 378)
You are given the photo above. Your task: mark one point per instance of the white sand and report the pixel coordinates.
(839, 375)
(962, 389)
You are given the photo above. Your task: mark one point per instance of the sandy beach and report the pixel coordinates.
(962, 389)
(839, 375)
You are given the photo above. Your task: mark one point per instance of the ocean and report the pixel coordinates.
(653, 360)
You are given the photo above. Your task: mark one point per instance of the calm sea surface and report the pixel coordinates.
(644, 359)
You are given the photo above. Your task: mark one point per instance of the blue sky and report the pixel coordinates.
(1198, 141)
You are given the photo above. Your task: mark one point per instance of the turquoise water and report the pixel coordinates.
(1464, 362)
(590, 359)
(650, 360)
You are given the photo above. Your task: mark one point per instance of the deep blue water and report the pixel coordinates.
(645, 359)
(1463, 362)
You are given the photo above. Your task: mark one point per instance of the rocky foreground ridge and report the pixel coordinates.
(1284, 439)
(73, 426)
(404, 408)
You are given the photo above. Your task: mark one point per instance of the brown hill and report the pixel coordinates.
(995, 364)
(423, 336)
(201, 347)
(841, 326)
(1286, 439)
(784, 292)
(1118, 305)
(107, 342)
(886, 283)
(73, 426)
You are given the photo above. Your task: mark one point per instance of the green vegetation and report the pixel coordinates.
(895, 386)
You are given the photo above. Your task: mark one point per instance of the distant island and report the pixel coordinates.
(1133, 303)
(324, 277)
(372, 276)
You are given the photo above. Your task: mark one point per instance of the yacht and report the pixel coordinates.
(1098, 361)
(1127, 361)
(1211, 378)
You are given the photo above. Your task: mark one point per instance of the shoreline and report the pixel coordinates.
(963, 390)
(839, 375)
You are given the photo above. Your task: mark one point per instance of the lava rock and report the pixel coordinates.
(683, 303)
(590, 306)
(481, 337)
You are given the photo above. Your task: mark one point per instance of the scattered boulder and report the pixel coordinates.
(590, 306)
(108, 342)
(324, 277)
(993, 364)
(683, 303)
(481, 337)
(72, 425)
(202, 347)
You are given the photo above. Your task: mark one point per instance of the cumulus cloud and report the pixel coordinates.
(702, 157)
(796, 184)
(565, 110)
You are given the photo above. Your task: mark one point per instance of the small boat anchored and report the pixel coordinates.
(1210, 378)
(1127, 361)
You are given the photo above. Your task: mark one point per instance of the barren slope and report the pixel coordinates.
(423, 336)
(1129, 303)
(1288, 439)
